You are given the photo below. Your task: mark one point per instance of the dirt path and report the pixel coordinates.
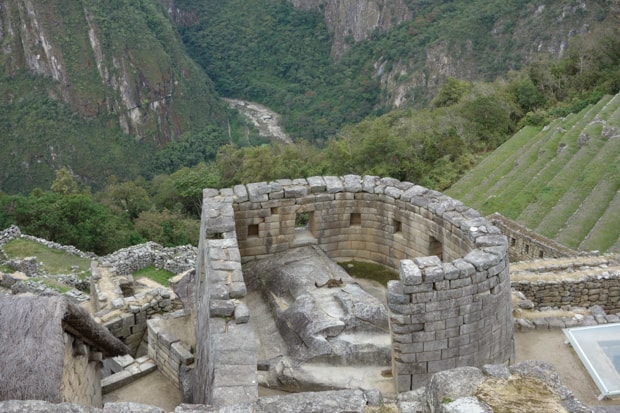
(153, 389)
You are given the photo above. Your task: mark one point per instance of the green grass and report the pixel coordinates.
(369, 270)
(160, 276)
(54, 261)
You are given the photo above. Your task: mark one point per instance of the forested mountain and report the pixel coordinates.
(112, 122)
(294, 60)
(94, 86)
(102, 87)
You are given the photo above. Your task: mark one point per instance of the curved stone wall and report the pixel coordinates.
(451, 306)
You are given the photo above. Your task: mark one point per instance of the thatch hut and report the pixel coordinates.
(51, 349)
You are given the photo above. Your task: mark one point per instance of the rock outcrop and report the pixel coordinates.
(354, 20)
(319, 323)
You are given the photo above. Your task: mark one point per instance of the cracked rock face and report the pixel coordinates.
(342, 325)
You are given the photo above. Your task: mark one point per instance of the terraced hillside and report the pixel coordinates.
(562, 181)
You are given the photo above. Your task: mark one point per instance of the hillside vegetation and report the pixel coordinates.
(562, 180)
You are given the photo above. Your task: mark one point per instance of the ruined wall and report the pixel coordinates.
(452, 305)
(168, 348)
(81, 379)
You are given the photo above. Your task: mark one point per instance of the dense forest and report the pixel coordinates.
(332, 108)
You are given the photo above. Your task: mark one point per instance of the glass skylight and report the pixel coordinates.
(598, 347)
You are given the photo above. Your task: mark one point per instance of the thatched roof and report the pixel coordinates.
(32, 344)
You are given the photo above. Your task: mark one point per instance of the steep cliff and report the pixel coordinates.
(129, 50)
(114, 64)
(417, 44)
(353, 20)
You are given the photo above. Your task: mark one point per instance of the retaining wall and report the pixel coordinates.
(525, 244)
(451, 306)
(578, 282)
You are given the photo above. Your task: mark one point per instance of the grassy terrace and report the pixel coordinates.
(54, 261)
(546, 180)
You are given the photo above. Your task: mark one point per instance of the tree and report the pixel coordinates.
(451, 92)
(64, 183)
(190, 182)
(126, 198)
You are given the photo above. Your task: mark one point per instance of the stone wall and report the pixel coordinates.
(525, 244)
(13, 232)
(577, 282)
(168, 349)
(225, 367)
(451, 307)
(81, 379)
(128, 260)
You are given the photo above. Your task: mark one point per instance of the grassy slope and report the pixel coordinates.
(549, 182)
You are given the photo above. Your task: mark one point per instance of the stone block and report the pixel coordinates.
(235, 375)
(352, 183)
(316, 183)
(182, 353)
(115, 381)
(237, 289)
(403, 382)
(221, 308)
(229, 395)
(241, 313)
(333, 184)
(441, 365)
(166, 338)
(240, 193)
(295, 191)
(410, 273)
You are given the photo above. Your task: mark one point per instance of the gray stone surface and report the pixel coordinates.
(451, 385)
(466, 405)
(320, 323)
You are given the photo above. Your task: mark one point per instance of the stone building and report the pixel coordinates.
(52, 350)
(450, 308)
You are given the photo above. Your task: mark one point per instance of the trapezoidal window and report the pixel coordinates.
(435, 248)
(304, 228)
(252, 230)
(398, 226)
(355, 219)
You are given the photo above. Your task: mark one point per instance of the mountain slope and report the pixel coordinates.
(81, 81)
(562, 181)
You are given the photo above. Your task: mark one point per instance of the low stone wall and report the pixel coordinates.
(585, 292)
(126, 261)
(169, 351)
(13, 232)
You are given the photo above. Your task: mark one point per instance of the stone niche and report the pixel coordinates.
(451, 306)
